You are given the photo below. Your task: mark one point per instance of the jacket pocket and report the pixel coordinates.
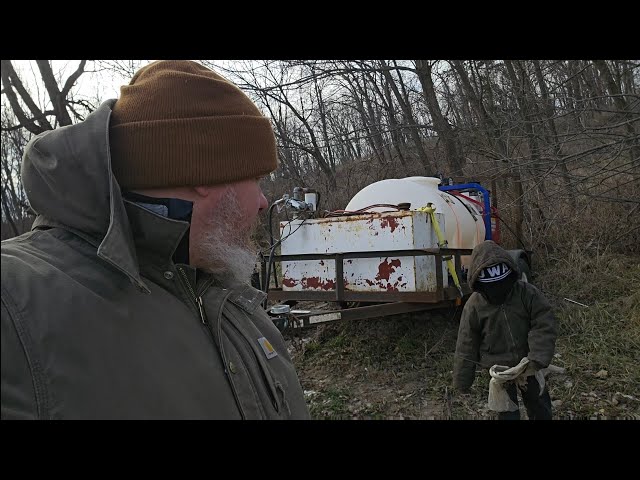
(255, 363)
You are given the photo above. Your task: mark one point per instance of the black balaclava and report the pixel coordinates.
(495, 282)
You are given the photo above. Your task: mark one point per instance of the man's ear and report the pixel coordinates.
(202, 191)
(214, 192)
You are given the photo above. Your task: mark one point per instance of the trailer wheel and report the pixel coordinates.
(524, 270)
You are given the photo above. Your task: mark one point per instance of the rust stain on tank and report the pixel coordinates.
(329, 285)
(391, 222)
(385, 269)
(315, 282)
(289, 282)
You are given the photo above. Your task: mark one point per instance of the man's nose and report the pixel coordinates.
(263, 201)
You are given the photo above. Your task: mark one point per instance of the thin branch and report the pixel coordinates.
(72, 79)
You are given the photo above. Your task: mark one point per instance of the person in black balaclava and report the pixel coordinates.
(504, 321)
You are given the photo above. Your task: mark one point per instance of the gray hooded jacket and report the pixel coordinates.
(99, 323)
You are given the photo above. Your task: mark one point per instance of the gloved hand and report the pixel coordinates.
(532, 369)
(535, 365)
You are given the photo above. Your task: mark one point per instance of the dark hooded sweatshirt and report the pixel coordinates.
(524, 325)
(98, 322)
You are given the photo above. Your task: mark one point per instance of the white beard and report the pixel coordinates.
(226, 249)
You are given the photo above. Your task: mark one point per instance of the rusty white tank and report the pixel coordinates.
(382, 229)
(403, 230)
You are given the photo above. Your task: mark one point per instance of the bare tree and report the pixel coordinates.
(550, 137)
(24, 114)
(409, 120)
(13, 199)
(62, 103)
(441, 124)
(625, 109)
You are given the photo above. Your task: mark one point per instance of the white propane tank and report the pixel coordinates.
(464, 227)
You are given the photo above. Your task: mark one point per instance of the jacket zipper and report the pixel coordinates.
(219, 331)
(513, 342)
(197, 299)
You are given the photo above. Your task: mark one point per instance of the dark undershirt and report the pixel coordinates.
(174, 208)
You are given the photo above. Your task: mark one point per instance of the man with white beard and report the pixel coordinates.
(129, 299)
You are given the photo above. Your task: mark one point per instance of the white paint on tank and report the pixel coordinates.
(405, 230)
(465, 226)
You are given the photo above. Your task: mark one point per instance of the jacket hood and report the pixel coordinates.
(485, 254)
(68, 180)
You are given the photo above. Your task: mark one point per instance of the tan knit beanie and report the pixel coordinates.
(179, 123)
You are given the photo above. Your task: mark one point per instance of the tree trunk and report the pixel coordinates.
(10, 80)
(486, 122)
(395, 128)
(440, 123)
(555, 141)
(374, 137)
(408, 120)
(527, 116)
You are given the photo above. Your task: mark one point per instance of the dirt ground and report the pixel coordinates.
(343, 379)
(359, 393)
(401, 368)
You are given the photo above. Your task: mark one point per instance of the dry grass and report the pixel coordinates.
(599, 345)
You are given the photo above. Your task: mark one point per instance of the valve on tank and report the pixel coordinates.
(303, 199)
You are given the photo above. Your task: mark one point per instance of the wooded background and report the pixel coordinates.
(556, 141)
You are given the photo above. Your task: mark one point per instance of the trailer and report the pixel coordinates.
(400, 246)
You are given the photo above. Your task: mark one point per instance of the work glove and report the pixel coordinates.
(532, 369)
(535, 365)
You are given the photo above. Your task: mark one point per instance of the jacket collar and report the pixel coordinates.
(69, 182)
